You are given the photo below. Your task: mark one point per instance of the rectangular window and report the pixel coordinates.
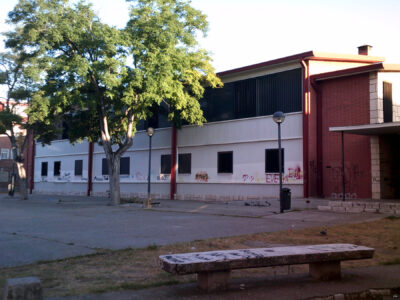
(44, 168)
(387, 102)
(185, 163)
(225, 162)
(4, 153)
(104, 167)
(272, 160)
(124, 166)
(78, 167)
(166, 164)
(57, 168)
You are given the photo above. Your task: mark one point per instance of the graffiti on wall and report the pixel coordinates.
(293, 175)
(247, 178)
(163, 177)
(139, 176)
(202, 176)
(352, 177)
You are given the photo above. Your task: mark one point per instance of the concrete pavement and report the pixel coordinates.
(51, 227)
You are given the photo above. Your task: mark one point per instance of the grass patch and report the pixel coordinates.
(110, 270)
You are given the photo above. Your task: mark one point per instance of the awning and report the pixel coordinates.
(370, 129)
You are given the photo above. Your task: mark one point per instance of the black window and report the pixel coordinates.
(124, 166)
(272, 160)
(225, 162)
(387, 102)
(57, 168)
(104, 166)
(78, 167)
(166, 164)
(44, 168)
(185, 163)
(259, 96)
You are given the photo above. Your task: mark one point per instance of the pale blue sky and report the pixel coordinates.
(244, 32)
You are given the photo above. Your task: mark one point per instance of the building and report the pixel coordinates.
(234, 155)
(7, 168)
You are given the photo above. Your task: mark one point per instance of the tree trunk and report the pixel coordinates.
(22, 180)
(113, 177)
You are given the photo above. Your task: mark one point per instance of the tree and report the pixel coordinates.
(101, 80)
(14, 75)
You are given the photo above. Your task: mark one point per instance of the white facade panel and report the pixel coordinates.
(246, 138)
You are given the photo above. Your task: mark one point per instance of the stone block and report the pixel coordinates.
(324, 207)
(359, 205)
(387, 211)
(380, 292)
(347, 204)
(26, 288)
(388, 205)
(372, 205)
(397, 212)
(338, 209)
(325, 270)
(335, 203)
(354, 209)
(339, 297)
(371, 210)
(213, 281)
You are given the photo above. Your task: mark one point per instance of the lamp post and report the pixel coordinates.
(278, 118)
(147, 204)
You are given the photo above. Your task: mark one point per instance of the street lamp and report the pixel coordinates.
(278, 118)
(147, 204)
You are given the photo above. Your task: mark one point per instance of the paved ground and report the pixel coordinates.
(50, 227)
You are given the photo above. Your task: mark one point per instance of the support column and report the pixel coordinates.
(325, 270)
(174, 138)
(213, 281)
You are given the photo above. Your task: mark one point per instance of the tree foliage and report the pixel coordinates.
(101, 80)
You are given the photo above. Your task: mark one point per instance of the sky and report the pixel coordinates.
(244, 32)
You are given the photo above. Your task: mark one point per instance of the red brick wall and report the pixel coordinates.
(345, 101)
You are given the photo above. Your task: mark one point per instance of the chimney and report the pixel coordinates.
(364, 49)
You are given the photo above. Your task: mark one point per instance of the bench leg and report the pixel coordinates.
(212, 281)
(325, 270)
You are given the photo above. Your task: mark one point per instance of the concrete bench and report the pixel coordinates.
(213, 268)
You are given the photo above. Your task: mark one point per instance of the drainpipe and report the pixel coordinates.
(306, 112)
(174, 138)
(317, 90)
(90, 169)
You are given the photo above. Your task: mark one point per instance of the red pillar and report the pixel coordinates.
(306, 112)
(90, 168)
(173, 162)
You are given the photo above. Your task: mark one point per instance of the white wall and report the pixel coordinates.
(394, 79)
(247, 138)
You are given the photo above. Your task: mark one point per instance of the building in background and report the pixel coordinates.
(6, 159)
(234, 156)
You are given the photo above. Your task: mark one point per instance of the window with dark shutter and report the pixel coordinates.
(78, 167)
(124, 166)
(225, 162)
(57, 168)
(44, 168)
(104, 166)
(387, 102)
(272, 160)
(166, 164)
(185, 163)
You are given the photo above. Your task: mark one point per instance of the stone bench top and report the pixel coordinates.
(187, 263)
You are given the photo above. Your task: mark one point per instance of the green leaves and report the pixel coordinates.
(101, 80)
